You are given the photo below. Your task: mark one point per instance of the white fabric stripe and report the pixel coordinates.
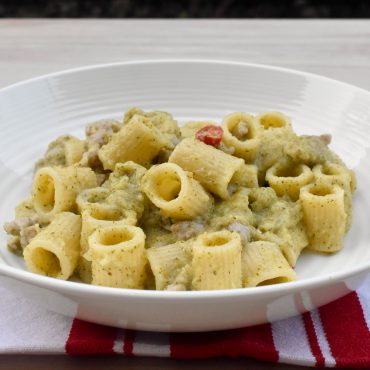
(151, 344)
(364, 296)
(291, 342)
(118, 342)
(26, 327)
(321, 338)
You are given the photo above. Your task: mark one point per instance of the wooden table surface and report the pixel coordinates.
(337, 49)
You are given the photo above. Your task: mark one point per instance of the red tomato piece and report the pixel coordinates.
(210, 135)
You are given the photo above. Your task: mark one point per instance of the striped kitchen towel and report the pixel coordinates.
(337, 334)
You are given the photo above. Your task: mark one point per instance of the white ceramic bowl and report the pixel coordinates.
(34, 112)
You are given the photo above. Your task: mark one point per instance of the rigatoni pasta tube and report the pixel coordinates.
(167, 262)
(65, 151)
(55, 189)
(324, 216)
(214, 169)
(175, 192)
(276, 132)
(73, 150)
(264, 264)
(92, 220)
(118, 256)
(287, 179)
(273, 120)
(241, 132)
(217, 261)
(292, 241)
(54, 251)
(328, 174)
(138, 141)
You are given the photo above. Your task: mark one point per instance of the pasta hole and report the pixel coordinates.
(45, 193)
(169, 187)
(46, 261)
(272, 121)
(292, 171)
(113, 237)
(330, 170)
(108, 214)
(321, 191)
(215, 241)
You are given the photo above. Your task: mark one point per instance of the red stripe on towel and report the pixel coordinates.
(346, 330)
(89, 339)
(254, 342)
(128, 344)
(312, 339)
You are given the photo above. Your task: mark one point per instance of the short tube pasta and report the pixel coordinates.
(292, 242)
(287, 179)
(217, 261)
(329, 174)
(167, 263)
(264, 264)
(324, 216)
(241, 132)
(273, 120)
(276, 132)
(117, 256)
(54, 251)
(73, 150)
(334, 174)
(55, 189)
(175, 192)
(65, 151)
(138, 141)
(94, 219)
(214, 169)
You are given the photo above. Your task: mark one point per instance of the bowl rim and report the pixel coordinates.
(77, 287)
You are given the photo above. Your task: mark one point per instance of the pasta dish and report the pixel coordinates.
(144, 204)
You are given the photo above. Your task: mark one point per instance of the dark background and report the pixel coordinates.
(185, 8)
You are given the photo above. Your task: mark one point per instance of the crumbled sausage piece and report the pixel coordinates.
(16, 226)
(243, 231)
(100, 131)
(23, 229)
(187, 229)
(325, 138)
(241, 131)
(91, 159)
(28, 233)
(14, 245)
